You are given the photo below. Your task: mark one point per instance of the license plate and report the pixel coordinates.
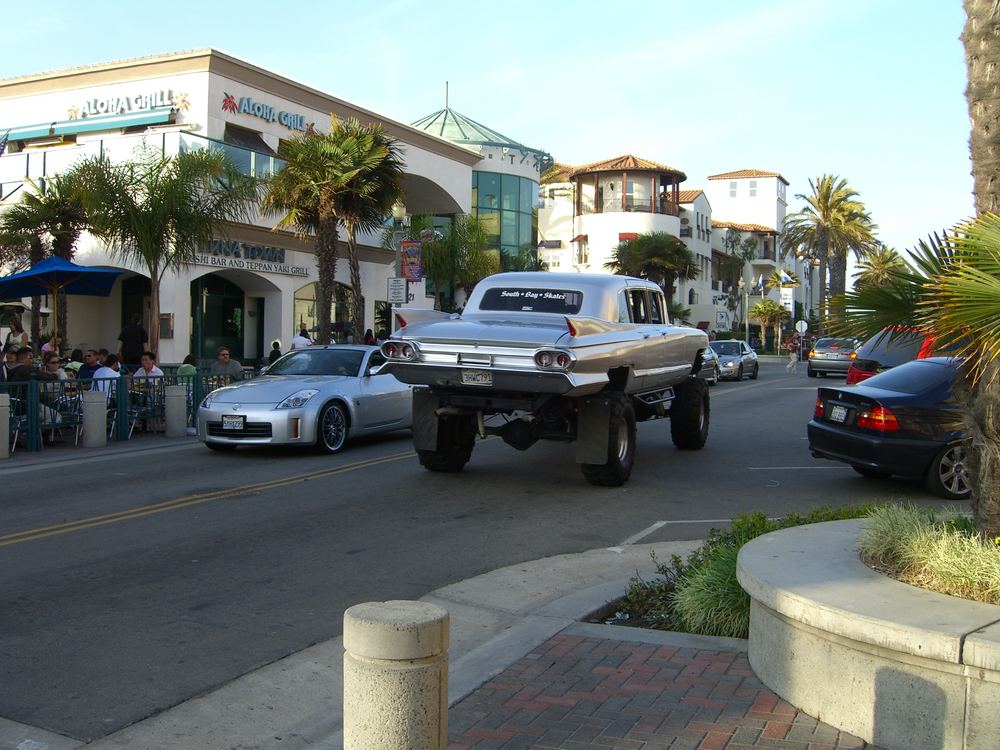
(477, 377)
(233, 421)
(838, 414)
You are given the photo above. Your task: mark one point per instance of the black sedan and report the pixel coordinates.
(904, 422)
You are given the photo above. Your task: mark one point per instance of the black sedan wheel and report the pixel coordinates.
(331, 429)
(756, 371)
(948, 475)
(739, 374)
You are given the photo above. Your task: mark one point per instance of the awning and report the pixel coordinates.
(91, 124)
(248, 139)
(579, 238)
(624, 236)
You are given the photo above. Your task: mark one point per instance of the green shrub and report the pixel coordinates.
(713, 601)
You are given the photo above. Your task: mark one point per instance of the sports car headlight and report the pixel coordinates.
(297, 399)
(207, 402)
(730, 364)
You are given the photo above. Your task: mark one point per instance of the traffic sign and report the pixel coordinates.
(801, 326)
(396, 290)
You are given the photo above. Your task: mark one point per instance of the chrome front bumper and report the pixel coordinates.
(282, 423)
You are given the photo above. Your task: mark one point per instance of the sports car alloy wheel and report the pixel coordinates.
(331, 429)
(948, 476)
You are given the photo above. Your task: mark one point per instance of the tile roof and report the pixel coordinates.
(626, 162)
(689, 196)
(744, 173)
(558, 172)
(759, 228)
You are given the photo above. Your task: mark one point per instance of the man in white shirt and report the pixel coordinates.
(102, 378)
(148, 368)
(301, 340)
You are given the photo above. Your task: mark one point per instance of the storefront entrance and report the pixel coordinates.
(218, 316)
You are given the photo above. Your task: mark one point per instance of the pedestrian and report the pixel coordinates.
(369, 337)
(275, 352)
(793, 356)
(225, 366)
(132, 342)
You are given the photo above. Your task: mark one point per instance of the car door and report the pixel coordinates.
(669, 349)
(644, 357)
(382, 401)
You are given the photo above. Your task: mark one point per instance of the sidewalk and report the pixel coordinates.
(525, 673)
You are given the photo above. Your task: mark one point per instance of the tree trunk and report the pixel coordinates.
(326, 262)
(981, 38)
(838, 273)
(357, 302)
(154, 310)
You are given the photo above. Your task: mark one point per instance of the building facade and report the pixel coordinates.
(255, 284)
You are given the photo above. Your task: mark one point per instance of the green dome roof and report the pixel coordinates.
(457, 128)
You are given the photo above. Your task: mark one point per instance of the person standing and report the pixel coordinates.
(793, 356)
(132, 342)
(17, 337)
(275, 352)
(225, 366)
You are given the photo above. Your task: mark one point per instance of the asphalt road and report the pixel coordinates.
(129, 584)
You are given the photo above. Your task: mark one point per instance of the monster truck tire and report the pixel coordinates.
(689, 415)
(456, 436)
(621, 445)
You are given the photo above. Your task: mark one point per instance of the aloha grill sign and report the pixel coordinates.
(247, 106)
(119, 105)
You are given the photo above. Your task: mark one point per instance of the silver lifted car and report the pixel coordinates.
(550, 356)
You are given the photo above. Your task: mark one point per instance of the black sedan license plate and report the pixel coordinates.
(838, 414)
(233, 421)
(477, 377)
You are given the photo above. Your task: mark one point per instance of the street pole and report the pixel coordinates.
(746, 313)
(398, 217)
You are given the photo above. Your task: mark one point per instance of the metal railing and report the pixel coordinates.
(41, 409)
(629, 205)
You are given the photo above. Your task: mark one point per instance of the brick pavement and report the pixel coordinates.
(583, 693)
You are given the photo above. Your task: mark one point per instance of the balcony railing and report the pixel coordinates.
(35, 164)
(629, 205)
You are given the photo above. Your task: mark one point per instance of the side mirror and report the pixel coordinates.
(374, 369)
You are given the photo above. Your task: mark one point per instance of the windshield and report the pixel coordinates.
(890, 351)
(510, 299)
(835, 344)
(726, 347)
(319, 362)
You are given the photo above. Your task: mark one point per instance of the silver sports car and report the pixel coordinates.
(320, 396)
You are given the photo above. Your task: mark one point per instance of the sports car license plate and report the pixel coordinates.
(477, 377)
(233, 421)
(838, 414)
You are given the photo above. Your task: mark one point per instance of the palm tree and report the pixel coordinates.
(740, 250)
(459, 257)
(876, 265)
(982, 59)
(304, 194)
(767, 312)
(23, 242)
(963, 303)
(160, 210)
(657, 256)
(832, 224)
(372, 183)
(790, 280)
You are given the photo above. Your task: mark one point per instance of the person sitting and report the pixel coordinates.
(189, 367)
(301, 340)
(25, 369)
(72, 367)
(106, 375)
(9, 363)
(225, 366)
(53, 344)
(90, 365)
(51, 365)
(275, 352)
(147, 367)
(102, 356)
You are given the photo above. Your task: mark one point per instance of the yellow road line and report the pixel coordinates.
(187, 501)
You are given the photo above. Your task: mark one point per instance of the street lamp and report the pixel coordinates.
(746, 309)
(398, 217)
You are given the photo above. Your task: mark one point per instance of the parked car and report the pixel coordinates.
(881, 352)
(904, 422)
(736, 359)
(831, 356)
(320, 396)
(711, 368)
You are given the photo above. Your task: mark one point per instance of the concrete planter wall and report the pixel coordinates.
(896, 665)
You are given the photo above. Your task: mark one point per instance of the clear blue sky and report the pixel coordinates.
(871, 90)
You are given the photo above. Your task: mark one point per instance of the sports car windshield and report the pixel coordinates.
(725, 347)
(511, 299)
(319, 362)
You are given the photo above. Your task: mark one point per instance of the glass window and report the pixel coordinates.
(753, 188)
(489, 190)
(918, 376)
(640, 312)
(509, 299)
(524, 231)
(892, 351)
(656, 307)
(623, 307)
(491, 224)
(510, 192)
(508, 228)
(732, 189)
(319, 362)
(529, 195)
(508, 258)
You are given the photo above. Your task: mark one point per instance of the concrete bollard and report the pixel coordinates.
(395, 676)
(4, 425)
(175, 410)
(95, 419)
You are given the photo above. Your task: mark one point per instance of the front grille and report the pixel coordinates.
(250, 430)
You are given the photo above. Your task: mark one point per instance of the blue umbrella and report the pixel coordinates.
(54, 275)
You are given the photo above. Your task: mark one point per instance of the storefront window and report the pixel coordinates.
(505, 204)
(489, 190)
(510, 192)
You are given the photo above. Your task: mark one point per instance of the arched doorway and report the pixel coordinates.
(218, 316)
(306, 314)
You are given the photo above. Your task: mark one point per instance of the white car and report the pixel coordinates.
(320, 396)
